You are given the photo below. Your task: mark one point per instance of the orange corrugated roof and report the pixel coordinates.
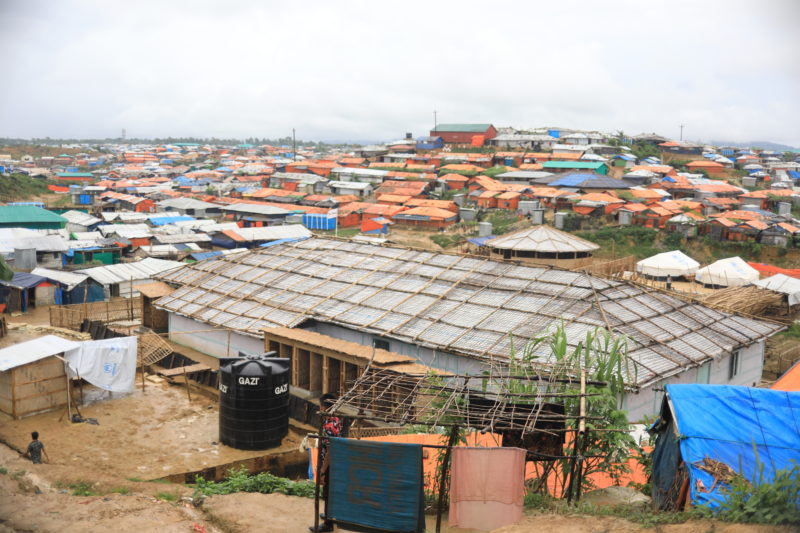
(464, 167)
(645, 194)
(636, 208)
(510, 195)
(454, 177)
(718, 187)
(531, 166)
(488, 194)
(600, 197)
(424, 202)
(788, 227)
(766, 193)
(739, 214)
(433, 212)
(756, 224)
(659, 169)
(789, 381)
(704, 164)
(566, 156)
(233, 235)
(394, 198)
(724, 221)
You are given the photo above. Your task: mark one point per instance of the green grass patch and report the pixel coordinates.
(80, 487)
(501, 219)
(344, 233)
(446, 241)
(21, 187)
(3, 471)
(121, 490)
(167, 496)
(265, 483)
(135, 479)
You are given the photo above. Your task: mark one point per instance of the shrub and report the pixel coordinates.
(775, 502)
(265, 483)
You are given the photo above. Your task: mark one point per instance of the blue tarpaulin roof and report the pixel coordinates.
(725, 422)
(794, 174)
(161, 221)
(282, 241)
(596, 181)
(205, 255)
(24, 280)
(480, 241)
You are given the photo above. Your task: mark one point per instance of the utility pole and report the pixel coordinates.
(294, 146)
(435, 123)
(681, 131)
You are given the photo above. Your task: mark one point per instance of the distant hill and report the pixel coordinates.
(764, 145)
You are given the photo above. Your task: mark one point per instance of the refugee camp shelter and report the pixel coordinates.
(71, 287)
(29, 216)
(543, 245)
(122, 279)
(786, 285)
(23, 291)
(728, 272)
(696, 446)
(153, 318)
(452, 312)
(675, 263)
(32, 379)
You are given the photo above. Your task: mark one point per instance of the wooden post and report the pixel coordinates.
(69, 395)
(443, 478)
(583, 436)
(186, 378)
(318, 472)
(143, 377)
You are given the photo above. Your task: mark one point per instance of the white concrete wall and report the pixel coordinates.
(210, 340)
(426, 356)
(647, 402)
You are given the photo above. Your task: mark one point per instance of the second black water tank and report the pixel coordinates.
(253, 402)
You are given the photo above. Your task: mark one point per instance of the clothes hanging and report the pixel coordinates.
(376, 485)
(487, 487)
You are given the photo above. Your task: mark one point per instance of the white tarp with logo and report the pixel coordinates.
(109, 363)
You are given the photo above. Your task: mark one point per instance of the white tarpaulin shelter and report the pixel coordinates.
(109, 363)
(782, 283)
(30, 351)
(729, 272)
(674, 263)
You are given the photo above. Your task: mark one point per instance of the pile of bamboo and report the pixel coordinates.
(750, 300)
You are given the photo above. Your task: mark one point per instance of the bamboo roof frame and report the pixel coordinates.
(450, 303)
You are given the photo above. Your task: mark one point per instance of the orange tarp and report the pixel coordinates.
(770, 270)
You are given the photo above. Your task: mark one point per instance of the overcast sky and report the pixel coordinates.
(728, 70)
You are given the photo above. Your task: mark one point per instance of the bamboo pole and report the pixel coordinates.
(443, 478)
(186, 379)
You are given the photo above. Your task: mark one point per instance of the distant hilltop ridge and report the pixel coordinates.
(764, 145)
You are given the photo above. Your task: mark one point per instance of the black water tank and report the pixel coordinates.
(253, 401)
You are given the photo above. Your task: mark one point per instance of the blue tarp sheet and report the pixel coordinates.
(319, 221)
(480, 241)
(205, 255)
(162, 221)
(282, 241)
(724, 422)
(376, 485)
(794, 174)
(24, 280)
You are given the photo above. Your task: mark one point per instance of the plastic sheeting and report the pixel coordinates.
(733, 425)
(376, 485)
(783, 284)
(674, 264)
(730, 272)
(109, 363)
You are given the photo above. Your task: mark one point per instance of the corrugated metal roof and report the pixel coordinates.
(273, 233)
(22, 214)
(543, 239)
(451, 303)
(31, 351)
(462, 128)
(122, 272)
(69, 279)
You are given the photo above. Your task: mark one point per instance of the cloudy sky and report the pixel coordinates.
(728, 70)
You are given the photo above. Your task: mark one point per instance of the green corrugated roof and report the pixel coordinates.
(468, 128)
(573, 164)
(13, 214)
(74, 174)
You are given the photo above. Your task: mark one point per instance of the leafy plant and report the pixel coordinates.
(265, 483)
(82, 488)
(774, 502)
(121, 490)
